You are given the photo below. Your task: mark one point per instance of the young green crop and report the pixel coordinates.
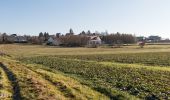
(161, 58)
(140, 82)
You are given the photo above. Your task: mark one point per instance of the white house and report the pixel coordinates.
(94, 41)
(53, 41)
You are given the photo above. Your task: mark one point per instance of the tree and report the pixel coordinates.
(74, 40)
(88, 32)
(113, 38)
(4, 37)
(83, 33)
(41, 38)
(46, 36)
(58, 35)
(41, 34)
(71, 31)
(35, 40)
(1, 38)
(28, 38)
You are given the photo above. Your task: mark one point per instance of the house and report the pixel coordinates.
(20, 39)
(154, 38)
(54, 41)
(94, 41)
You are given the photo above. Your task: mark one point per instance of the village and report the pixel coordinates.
(83, 39)
(84, 50)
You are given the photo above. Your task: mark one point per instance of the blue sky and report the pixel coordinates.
(139, 17)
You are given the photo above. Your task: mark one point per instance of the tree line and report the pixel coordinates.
(70, 38)
(118, 38)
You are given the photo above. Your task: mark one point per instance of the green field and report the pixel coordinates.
(127, 73)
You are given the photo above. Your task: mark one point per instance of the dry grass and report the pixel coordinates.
(5, 86)
(33, 50)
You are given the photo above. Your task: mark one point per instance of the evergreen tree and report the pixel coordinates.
(46, 36)
(58, 35)
(88, 32)
(41, 34)
(71, 31)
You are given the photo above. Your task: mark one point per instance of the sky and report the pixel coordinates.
(139, 17)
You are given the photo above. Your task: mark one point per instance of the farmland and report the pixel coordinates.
(128, 73)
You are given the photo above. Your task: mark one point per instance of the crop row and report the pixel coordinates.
(36, 83)
(161, 58)
(5, 86)
(139, 82)
(29, 84)
(70, 88)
